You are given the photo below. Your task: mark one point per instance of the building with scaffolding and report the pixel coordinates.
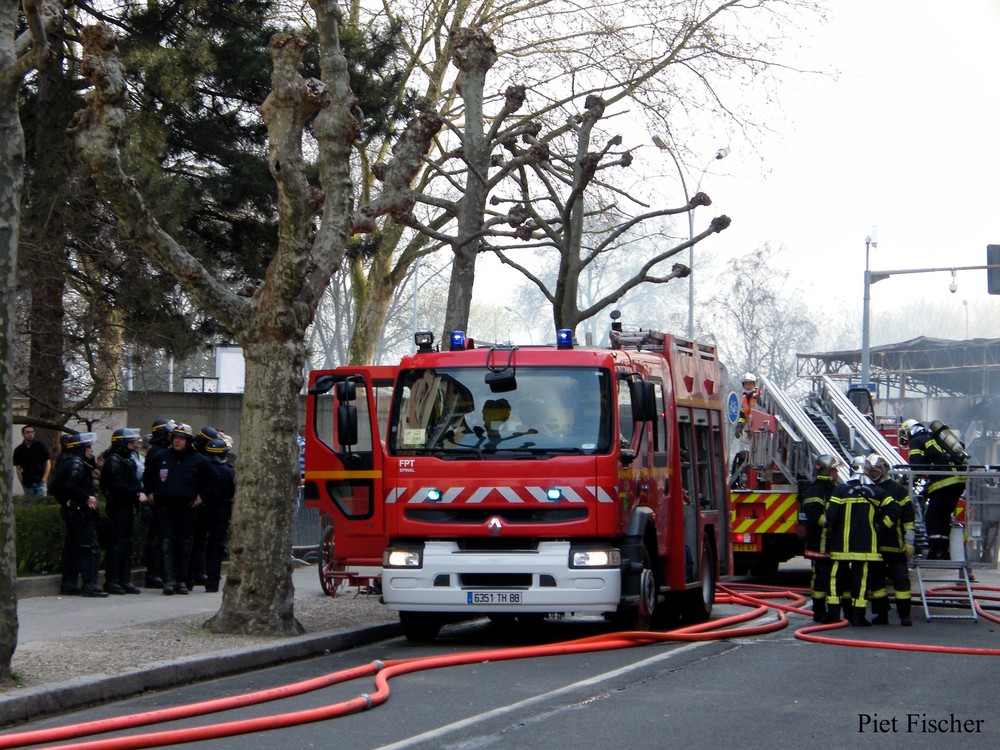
(925, 378)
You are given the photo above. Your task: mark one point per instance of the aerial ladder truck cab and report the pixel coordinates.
(784, 438)
(522, 481)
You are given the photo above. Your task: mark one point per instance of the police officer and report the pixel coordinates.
(122, 488)
(159, 440)
(217, 511)
(812, 519)
(73, 487)
(850, 518)
(196, 575)
(174, 481)
(895, 531)
(943, 491)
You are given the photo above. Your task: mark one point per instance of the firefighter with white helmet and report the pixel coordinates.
(750, 394)
(853, 545)
(943, 489)
(895, 531)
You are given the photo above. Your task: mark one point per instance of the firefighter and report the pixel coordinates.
(895, 533)
(850, 518)
(750, 395)
(812, 521)
(73, 487)
(942, 491)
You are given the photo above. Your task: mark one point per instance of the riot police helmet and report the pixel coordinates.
(205, 434)
(217, 450)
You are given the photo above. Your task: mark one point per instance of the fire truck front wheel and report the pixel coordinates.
(420, 627)
(638, 615)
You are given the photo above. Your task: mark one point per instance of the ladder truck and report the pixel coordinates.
(783, 439)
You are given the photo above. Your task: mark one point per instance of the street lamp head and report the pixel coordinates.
(660, 143)
(722, 153)
(953, 286)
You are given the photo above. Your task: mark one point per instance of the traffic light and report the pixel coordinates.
(993, 272)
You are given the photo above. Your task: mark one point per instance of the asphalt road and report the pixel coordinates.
(764, 691)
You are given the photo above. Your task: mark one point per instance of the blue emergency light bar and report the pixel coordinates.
(457, 340)
(564, 338)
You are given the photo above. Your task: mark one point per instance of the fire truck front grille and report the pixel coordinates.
(496, 580)
(479, 516)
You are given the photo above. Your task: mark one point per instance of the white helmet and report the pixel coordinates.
(859, 469)
(908, 429)
(749, 377)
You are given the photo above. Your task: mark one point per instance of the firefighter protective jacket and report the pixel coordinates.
(850, 519)
(927, 453)
(896, 516)
(813, 513)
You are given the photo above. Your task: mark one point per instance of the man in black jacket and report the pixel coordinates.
(812, 520)
(174, 481)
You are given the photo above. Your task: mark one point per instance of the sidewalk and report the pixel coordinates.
(75, 651)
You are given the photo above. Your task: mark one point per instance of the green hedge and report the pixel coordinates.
(40, 533)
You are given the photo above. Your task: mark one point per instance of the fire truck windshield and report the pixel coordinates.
(452, 413)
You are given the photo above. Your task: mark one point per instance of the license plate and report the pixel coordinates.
(494, 597)
(744, 548)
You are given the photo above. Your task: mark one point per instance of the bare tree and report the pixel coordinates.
(269, 321)
(760, 326)
(657, 61)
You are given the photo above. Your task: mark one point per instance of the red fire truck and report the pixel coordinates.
(520, 481)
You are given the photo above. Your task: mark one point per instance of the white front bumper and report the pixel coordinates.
(568, 590)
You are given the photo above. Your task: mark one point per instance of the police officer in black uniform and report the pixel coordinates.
(123, 490)
(196, 575)
(159, 440)
(217, 511)
(73, 487)
(812, 518)
(174, 481)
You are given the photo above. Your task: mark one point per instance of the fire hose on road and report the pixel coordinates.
(760, 601)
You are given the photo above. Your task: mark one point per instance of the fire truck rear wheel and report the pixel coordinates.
(697, 603)
(420, 627)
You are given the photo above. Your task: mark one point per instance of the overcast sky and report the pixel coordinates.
(902, 134)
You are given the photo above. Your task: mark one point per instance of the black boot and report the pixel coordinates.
(832, 614)
(903, 609)
(880, 611)
(167, 567)
(819, 609)
(858, 618)
(848, 607)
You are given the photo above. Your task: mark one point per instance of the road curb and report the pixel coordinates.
(21, 706)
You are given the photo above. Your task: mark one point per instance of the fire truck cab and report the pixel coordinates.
(523, 481)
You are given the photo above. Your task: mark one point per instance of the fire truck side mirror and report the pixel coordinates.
(643, 401)
(347, 424)
(346, 391)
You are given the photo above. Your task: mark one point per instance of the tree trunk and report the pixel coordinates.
(258, 595)
(11, 180)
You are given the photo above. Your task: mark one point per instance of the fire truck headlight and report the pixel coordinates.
(595, 558)
(401, 558)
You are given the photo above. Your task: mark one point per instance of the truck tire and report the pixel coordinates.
(640, 616)
(697, 603)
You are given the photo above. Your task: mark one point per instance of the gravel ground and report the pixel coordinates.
(115, 651)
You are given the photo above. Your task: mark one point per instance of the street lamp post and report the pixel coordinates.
(871, 241)
(722, 153)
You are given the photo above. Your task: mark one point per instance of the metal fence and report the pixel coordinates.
(307, 530)
(979, 515)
